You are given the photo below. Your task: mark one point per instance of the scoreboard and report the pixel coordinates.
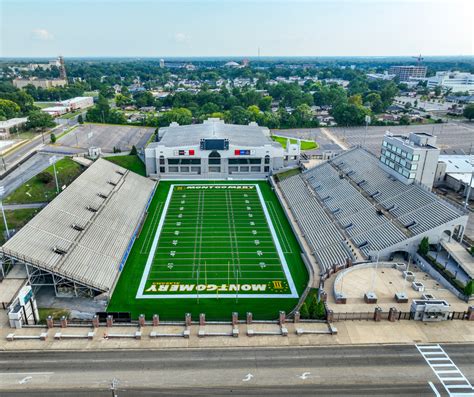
(214, 144)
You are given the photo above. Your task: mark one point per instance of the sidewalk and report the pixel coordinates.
(349, 333)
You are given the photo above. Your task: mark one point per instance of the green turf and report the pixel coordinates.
(35, 191)
(305, 145)
(130, 162)
(217, 263)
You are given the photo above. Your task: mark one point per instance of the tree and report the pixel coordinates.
(80, 119)
(39, 119)
(469, 112)
(44, 177)
(8, 109)
(304, 312)
(133, 152)
(404, 120)
(53, 138)
(437, 90)
(350, 114)
(424, 246)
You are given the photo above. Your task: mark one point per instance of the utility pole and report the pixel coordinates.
(52, 161)
(2, 192)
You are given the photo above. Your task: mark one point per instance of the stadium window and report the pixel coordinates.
(162, 160)
(416, 157)
(244, 169)
(255, 169)
(233, 169)
(173, 161)
(266, 168)
(214, 169)
(162, 170)
(267, 159)
(173, 169)
(196, 170)
(255, 161)
(184, 169)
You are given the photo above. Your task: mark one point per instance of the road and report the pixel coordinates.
(387, 370)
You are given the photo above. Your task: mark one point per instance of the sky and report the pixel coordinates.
(168, 28)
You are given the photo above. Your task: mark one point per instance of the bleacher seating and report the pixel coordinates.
(351, 198)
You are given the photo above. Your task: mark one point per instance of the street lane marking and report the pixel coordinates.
(434, 389)
(448, 368)
(304, 375)
(247, 378)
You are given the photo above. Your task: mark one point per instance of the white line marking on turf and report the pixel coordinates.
(149, 263)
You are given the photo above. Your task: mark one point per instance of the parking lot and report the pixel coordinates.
(453, 137)
(106, 137)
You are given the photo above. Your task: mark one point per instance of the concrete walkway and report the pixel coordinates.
(335, 139)
(13, 207)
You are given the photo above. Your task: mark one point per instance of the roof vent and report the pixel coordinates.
(112, 183)
(92, 209)
(77, 227)
(59, 251)
(102, 195)
(120, 172)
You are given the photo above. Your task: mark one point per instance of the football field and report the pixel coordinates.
(214, 241)
(212, 247)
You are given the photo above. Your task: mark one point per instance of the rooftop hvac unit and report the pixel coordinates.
(92, 209)
(102, 195)
(120, 172)
(112, 183)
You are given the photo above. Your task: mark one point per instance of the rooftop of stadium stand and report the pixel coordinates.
(349, 206)
(190, 135)
(84, 233)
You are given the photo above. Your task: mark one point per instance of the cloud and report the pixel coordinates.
(41, 34)
(180, 38)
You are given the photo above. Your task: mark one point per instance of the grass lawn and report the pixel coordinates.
(55, 313)
(72, 114)
(130, 162)
(216, 247)
(16, 219)
(305, 145)
(35, 191)
(287, 174)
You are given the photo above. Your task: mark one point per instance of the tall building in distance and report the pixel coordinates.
(454, 81)
(162, 63)
(62, 68)
(406, 73)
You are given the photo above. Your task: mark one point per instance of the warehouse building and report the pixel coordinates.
(215, 150)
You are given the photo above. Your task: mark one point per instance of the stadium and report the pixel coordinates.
(225, 244)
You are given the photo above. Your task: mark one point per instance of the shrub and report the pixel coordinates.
(44, 177)
(53, 138)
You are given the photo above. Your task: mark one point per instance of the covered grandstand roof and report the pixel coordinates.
(84, 233)
(351, 199)
(190, 135)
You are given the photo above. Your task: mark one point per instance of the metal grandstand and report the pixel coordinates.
(349, 208)
(79, 242)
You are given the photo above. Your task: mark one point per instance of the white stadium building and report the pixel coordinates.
(215, 150)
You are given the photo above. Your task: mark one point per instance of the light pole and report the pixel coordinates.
(367, 122)
(52, 161)
(2, 191)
